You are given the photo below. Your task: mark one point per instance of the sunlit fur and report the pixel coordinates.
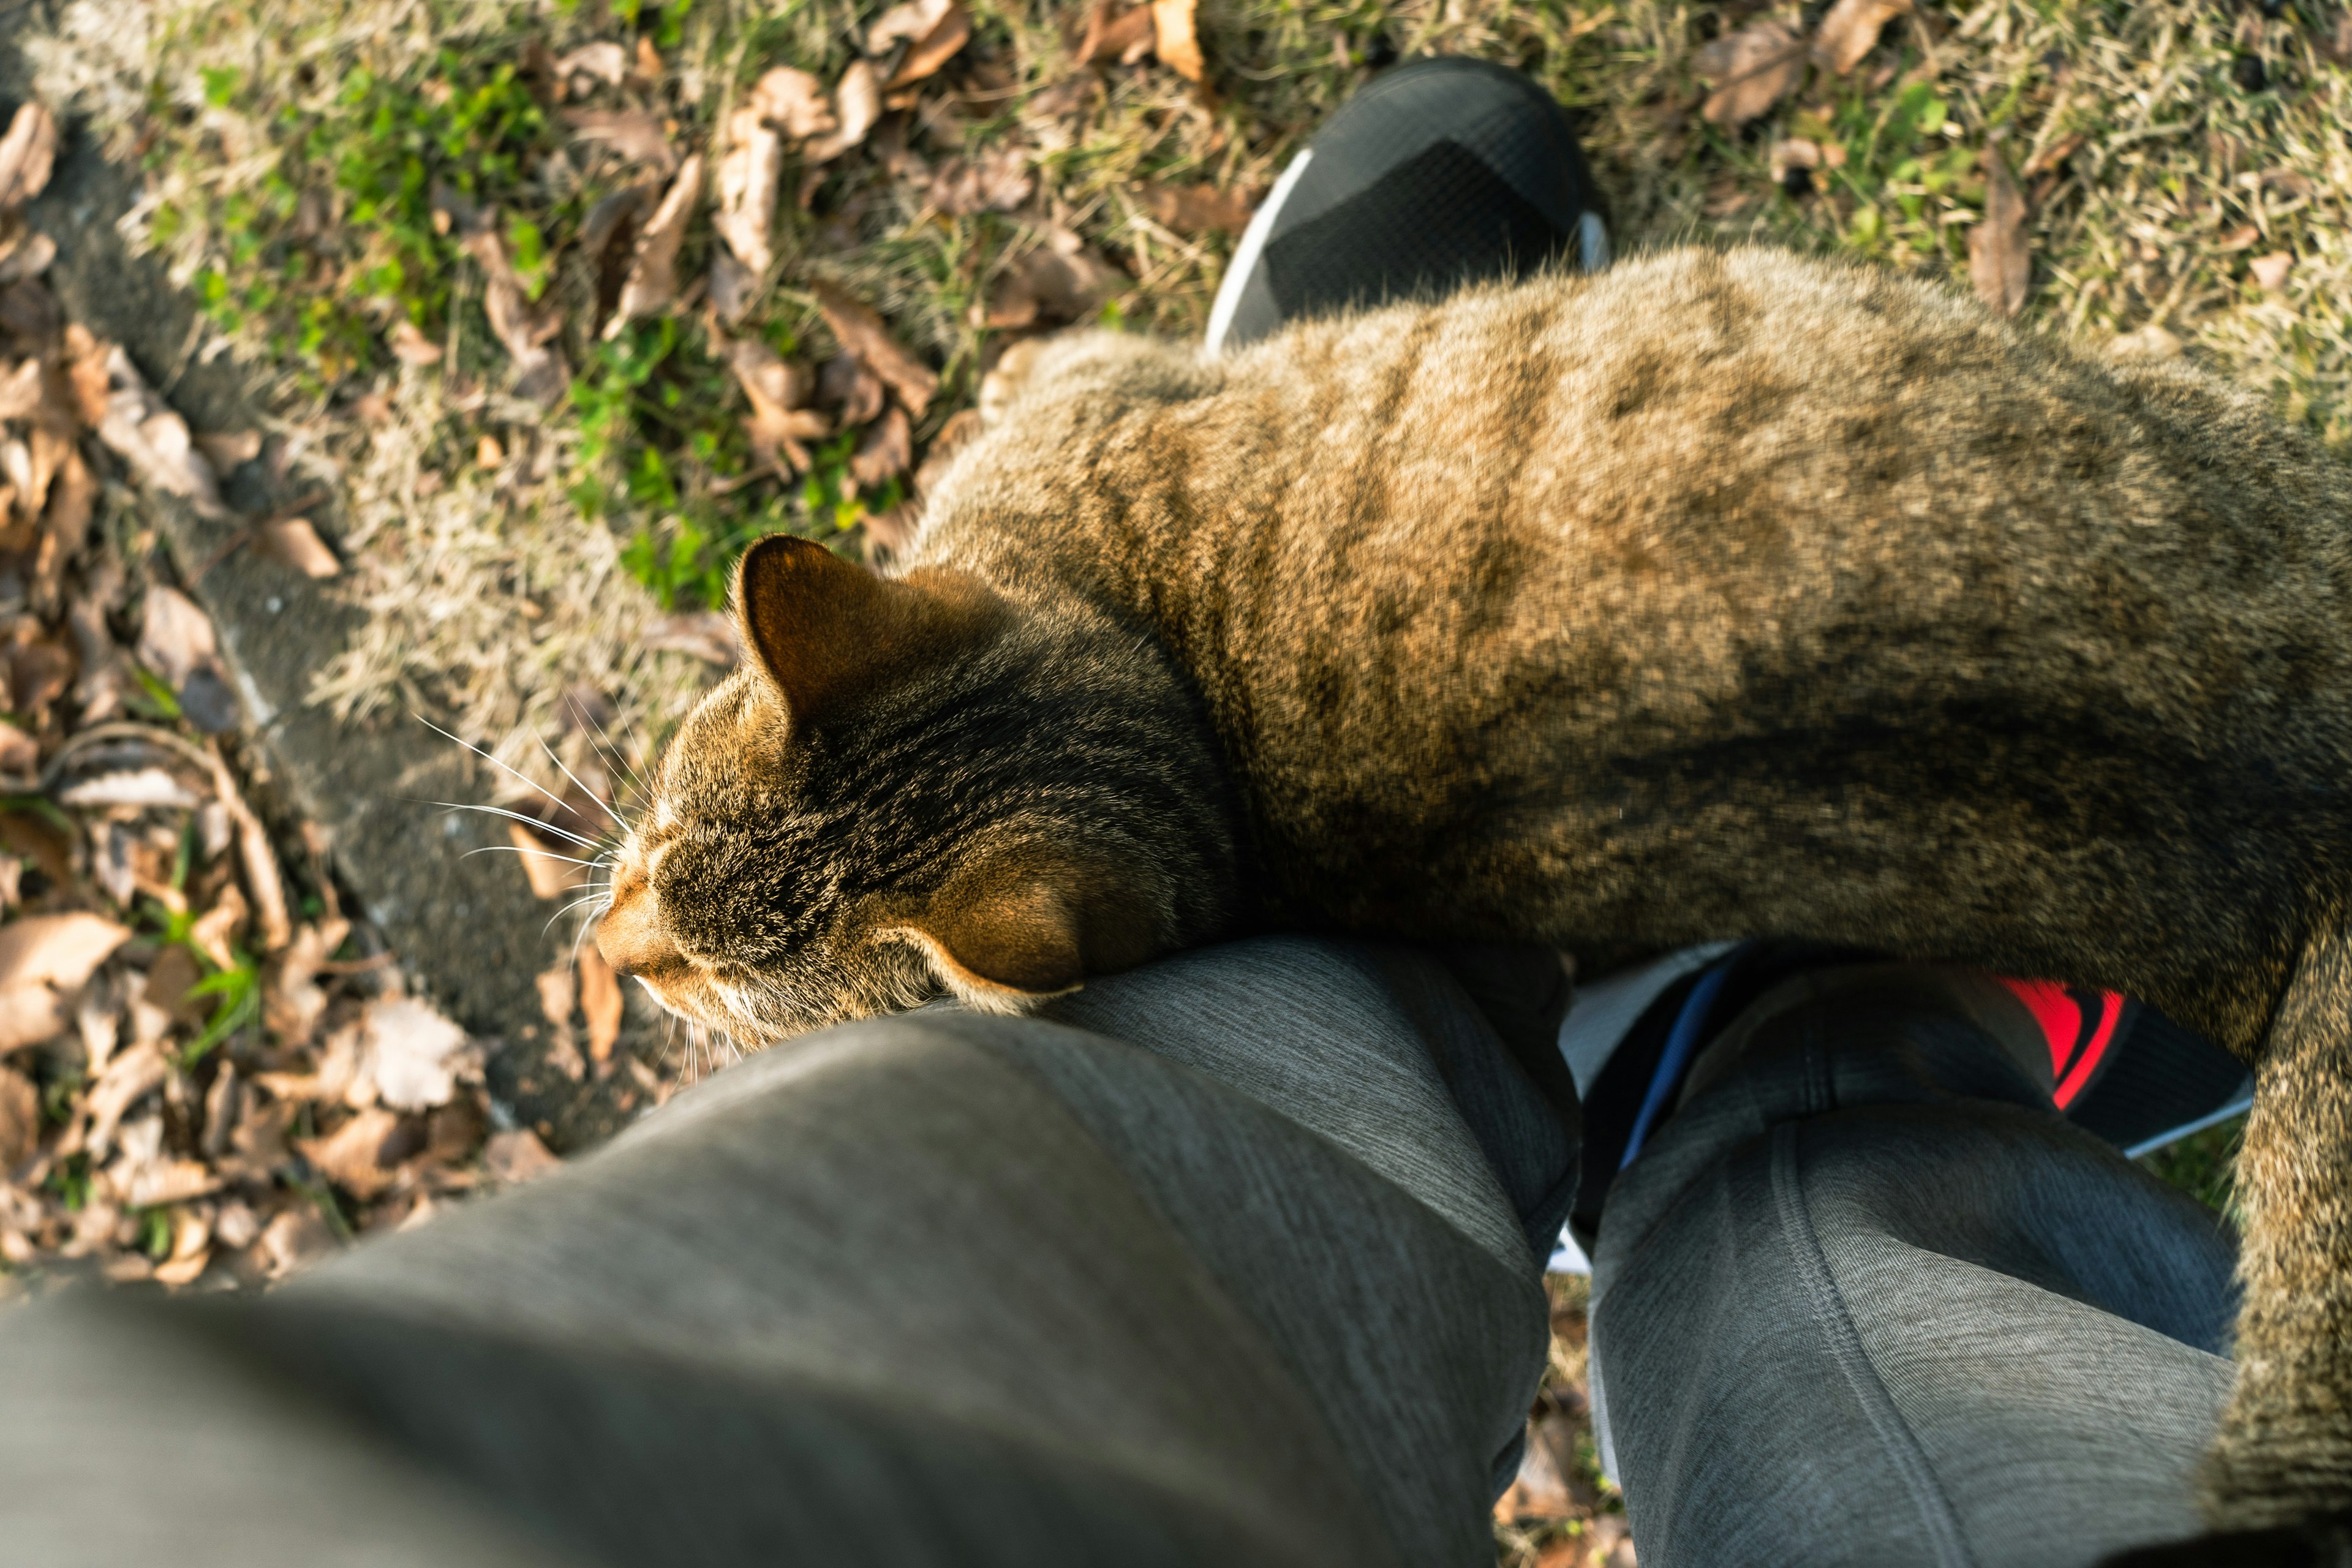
(779, 858)
(1717, 595)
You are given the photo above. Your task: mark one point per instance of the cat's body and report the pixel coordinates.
(1716, 596)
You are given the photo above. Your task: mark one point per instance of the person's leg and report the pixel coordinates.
(934, 1289)
(1867, 1298)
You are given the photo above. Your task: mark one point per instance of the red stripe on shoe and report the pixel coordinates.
(2059, 1017)
(2111, 1008)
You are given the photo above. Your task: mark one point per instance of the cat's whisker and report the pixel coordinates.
(530, 822)
(583, 788)
(519, 849)
(485, 756)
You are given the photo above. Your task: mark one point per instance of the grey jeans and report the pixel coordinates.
(1234, 1261)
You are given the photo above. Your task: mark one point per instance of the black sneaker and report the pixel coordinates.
(1440, 172)
(2117, 1068)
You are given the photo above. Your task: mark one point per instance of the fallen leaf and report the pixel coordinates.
(294, 1240)
(29, 257)
(1999, 265)
(86, 376)
(292, 541)
(2050, 157)
(856, 390)
(215, 929)
(600, 1002)
(634, 133)
(175, 636)
(20, 391)
(1174, 41)
(2150, 343)
(1192, 209)
(996, 180)
(513, 1158)
(138, 788)
(154, 1182)
(653, 271)
(415, 1055)
(1794, 153)
(1126, 37)
(2270, 271)
(704, 633)
(2240, 238)
(1752, 70)
(904, 24)
(292, 1001)
(20, 752)
(861, 332)
(261, 861)
(228, 449)
(1851, 31)
(525, 331)
(747, 177)
(411, 346)
(777, 390)
(60, 950)
(129, 1077)
(857, 104)
(649, 60)
(26, 153)
(604, 61)
(793, 100)
(338, 1075)
(154, 440)
(20, 1119)
(192, 1237)
(886, 449)
(559, 994)
(552, 873)
(352, 1156)
(1050, 285)
(936, 44)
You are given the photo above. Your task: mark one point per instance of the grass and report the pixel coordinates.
(303, 155)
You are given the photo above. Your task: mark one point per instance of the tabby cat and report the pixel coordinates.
(1717, 595)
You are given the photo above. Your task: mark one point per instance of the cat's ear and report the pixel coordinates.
(827, 631)
(1020, 925)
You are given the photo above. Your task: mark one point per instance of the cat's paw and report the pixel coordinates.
(2318, 1543)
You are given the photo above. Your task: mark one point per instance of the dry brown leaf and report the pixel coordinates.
(778, 423)
(1851, 30)
(175, 639)
(292, 541)
(1752, 70)
(1999, 264)
(862, 332)
(604, 61)
(20, 390)
(150, 1183)
(20, 1119)
(653, 271)
(2270, 271)
(794, 101)
(512, 1158)
(2150, 343)
(86, 377)
(1174, 41)
(261, 861)
(934, 48)
(411, 346)
(634, 133)
(26, 154)
(904, 24)
(415, 1055)
(1792, 152)
(996, 180)
(600, 1002)
(293, 1002)
(559, 994)
(60, 950)
(1126, 37)
(1192, 209)
(144, 431)
(857, 392)
(29, 257)
(20, 752)
(551, 874)
(1052, 285)
(226, 449)
(749, 174)
(352, 1156)
(705, 635)
(215, 929)
(857, 104)
(192, 1236)
(294, 1240)
(887, 448)
(128, 1078)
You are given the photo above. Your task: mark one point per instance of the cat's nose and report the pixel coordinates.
(631, 937)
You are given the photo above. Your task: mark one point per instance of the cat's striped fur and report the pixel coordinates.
(1718, 596)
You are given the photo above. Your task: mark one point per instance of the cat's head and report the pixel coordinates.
(917, 787)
